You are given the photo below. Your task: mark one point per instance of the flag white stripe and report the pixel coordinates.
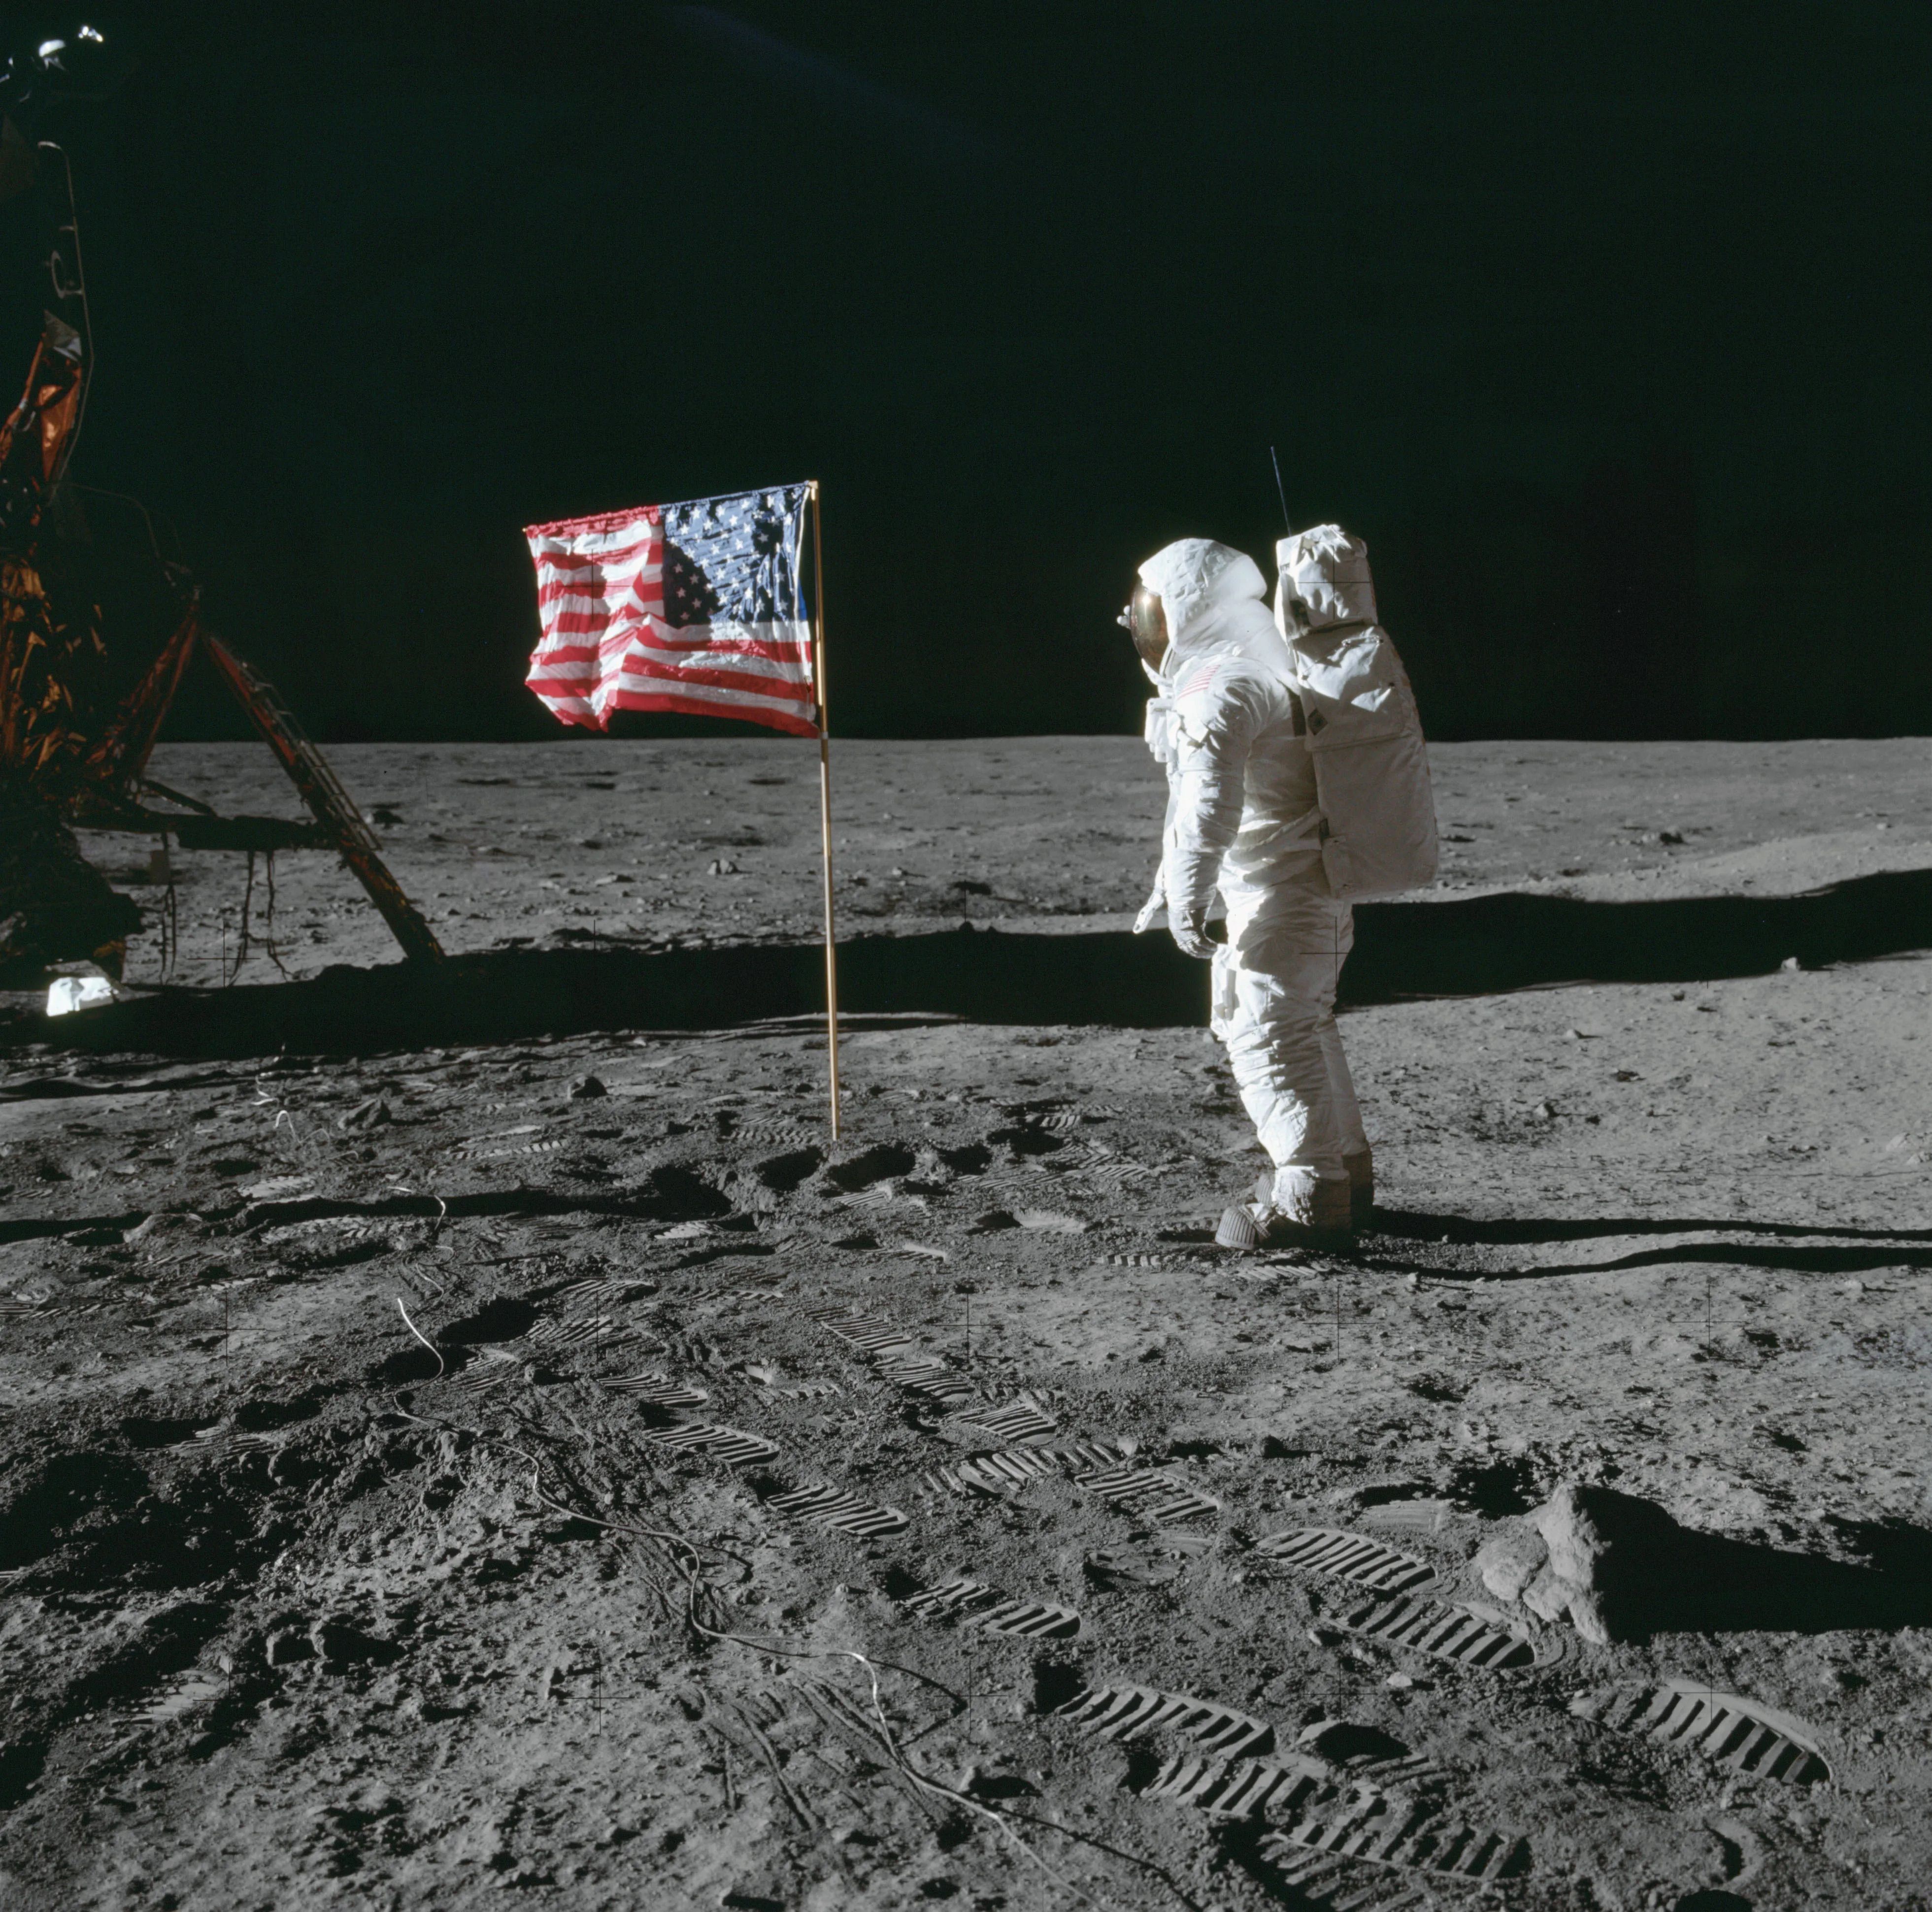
(585, 583)
(668, 686)
(589, 607)
(673, 647)
(592, 544)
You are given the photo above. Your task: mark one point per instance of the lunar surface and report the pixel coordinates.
(484, 1432)
(669, 844)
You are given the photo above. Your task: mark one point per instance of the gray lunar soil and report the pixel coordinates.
(554, 1464)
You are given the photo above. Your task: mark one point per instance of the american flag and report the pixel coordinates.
(694, 607)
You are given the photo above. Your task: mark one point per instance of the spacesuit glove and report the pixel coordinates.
(1188, 929)
(1150, 909)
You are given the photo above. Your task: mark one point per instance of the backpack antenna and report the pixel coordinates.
(1287, 525)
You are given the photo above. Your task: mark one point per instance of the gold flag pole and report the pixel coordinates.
(825, 804)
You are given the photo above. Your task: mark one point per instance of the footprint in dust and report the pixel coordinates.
(1150, 1559)
(783, 1173)
(974, 1158)
(678, 1194)
(1027, 1139)
(879, 1163)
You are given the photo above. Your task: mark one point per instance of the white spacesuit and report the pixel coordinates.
(1243, 818)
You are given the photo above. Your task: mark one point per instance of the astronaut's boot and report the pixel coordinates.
(1294, 1208)
(1361, 1167)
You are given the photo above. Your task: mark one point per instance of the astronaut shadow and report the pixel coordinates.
(1792, 1248)
(1424, 1225)
(1493, 945)
(1104, 979)
(1822, 1259)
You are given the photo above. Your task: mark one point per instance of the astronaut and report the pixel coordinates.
(1243, 819)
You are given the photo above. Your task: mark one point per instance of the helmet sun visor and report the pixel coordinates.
(1145, 621)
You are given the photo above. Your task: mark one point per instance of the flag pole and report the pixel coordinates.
(825, 805)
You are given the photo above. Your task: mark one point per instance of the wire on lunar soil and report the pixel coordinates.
(997, 1816)
(768, 1753)
(440, 1364)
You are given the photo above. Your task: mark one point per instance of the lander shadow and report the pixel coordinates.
(1404, 952)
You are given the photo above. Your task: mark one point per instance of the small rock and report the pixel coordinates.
(1050, 1222)
(1790, 965)
(343, 1643)
(1400, 1682)
(372, 1114)
(587, 1089)
(276, 1186)
(1545, 1112)
(1670, 836)
(722, 866)
(287, 1647)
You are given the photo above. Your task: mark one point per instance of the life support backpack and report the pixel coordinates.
(1377, 829)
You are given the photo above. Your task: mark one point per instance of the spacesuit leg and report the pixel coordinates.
(1274, 1001)
(1358, 1158)
(1358, 1161)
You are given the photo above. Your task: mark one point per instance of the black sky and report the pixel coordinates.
(1606, 326)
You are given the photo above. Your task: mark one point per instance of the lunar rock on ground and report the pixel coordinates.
(1589, 1555)
(358, 1542)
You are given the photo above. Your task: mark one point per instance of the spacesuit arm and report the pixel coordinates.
(1213, 729)
(1160, 744)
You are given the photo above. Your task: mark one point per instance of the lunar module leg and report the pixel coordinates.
(329, 802)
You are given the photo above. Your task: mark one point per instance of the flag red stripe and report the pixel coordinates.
(698, 707)
(573, 710)
(796, 652)
(648, 583)
(599, 525)
(571, 624)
